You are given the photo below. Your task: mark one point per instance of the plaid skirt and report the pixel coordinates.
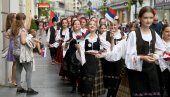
(98, 85)
(124, 90)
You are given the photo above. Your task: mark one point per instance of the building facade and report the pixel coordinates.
(163, 9)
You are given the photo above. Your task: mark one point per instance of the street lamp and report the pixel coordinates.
(135, 2)
(89, 4)
(104, 4)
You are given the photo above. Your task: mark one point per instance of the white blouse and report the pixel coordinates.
(103, 35)
(162, 63)
(81, 55)
(49, 32)
(66, 33)
(117, 52)
(132, 60)
(84, 30)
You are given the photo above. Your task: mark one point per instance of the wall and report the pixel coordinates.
(4, 10)
(14, 6)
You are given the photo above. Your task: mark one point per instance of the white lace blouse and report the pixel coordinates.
(132, 60)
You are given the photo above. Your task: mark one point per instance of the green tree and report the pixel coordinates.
(133, 2)
(104, 9)
(33, 25)
(44, 11)
(89, 12)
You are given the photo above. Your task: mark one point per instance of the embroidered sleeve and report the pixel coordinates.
(132, 60)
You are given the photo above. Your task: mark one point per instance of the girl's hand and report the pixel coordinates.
(66, 45)
(99, 56)
(148, 58)
(77, 46)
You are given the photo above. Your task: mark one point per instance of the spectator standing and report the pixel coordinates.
(11, 18)
(156, 25)
(24, 59)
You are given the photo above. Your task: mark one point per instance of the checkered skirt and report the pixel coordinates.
(99, 85)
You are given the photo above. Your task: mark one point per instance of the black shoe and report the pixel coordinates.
(31, 92)
(21, 90)
(73, 90)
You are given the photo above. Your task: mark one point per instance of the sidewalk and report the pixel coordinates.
(45, 80)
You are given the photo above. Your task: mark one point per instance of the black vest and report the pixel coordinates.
(143, 46)
(52, 35)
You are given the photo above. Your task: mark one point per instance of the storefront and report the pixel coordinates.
(163, 9)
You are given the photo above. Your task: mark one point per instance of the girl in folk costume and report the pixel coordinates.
(112, 70)
(141, 56)
(62, 41)
(91, 78)
(164, 62)
(73, 65)
(51, 38)
(83, 22)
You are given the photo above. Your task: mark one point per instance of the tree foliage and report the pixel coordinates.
(89, 12)
(133, 2)
(104, 8)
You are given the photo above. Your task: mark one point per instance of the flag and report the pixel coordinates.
(166, 56)
(111, 14)
(52, 14)
(44, 52)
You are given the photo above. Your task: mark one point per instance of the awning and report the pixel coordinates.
(43, 5)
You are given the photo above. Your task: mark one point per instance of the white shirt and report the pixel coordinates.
(117, 52)
(81, 56)
(66, 38)
(103, 35)
(49, 32)
(162, 63)
(132, 60)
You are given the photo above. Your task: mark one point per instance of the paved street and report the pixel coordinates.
(45, 80)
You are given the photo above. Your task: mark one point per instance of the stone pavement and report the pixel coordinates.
(45, 80)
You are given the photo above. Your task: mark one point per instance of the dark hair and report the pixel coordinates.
(101, 20)
(74, 22)
(18, 24)
(62, 22)
(73, 18)
(83, 18)
(164, 27)
(9, 20)
(102, 25)
(146, 9)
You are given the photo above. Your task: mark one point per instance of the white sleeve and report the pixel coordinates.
(48, 35)
(105, 44)
(117, 52)
(132, 60)
(159, 45)
(56, 43)
(163, 64)
(81, 55)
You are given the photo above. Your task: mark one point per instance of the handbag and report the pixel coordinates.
(17, 52)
